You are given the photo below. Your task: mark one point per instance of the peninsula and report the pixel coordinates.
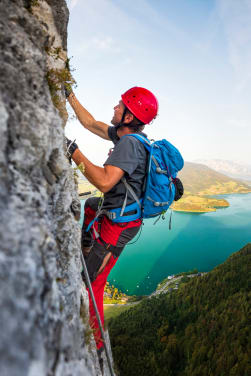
(200, 183)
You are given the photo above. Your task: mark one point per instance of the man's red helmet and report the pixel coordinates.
(142, 103)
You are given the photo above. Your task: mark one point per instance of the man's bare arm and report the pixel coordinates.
(103, 178)
(87, 120)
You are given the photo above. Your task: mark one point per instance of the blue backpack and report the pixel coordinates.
(164, 162)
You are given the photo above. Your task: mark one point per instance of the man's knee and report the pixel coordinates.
(91, 207)
(95, 260)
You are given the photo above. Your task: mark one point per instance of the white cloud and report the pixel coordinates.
(129, 23)
(240, 122)
(98, 43)
(104, 43)
(116, 44)
(236, 20)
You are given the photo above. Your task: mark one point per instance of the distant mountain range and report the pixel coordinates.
(229, 168)
(200, 182)
(201, 179)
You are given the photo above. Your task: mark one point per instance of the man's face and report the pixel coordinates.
(118, 113)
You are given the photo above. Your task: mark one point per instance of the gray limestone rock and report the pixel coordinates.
(42, 330)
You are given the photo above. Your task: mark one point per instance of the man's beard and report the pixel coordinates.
(116, 124)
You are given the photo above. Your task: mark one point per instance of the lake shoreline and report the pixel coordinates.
(209, 209)
(195, 241)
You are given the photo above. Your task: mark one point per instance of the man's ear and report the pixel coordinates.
(128, 118)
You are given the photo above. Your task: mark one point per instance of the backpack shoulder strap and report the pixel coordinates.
(142, 139)
(131, 191)
(147, 145)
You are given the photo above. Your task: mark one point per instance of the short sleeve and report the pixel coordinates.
(112, 133)
(125, 155)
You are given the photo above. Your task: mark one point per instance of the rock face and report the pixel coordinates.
(43, 313)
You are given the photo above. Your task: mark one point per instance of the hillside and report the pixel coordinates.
(199, 329)
(229, 168)
(201, 181)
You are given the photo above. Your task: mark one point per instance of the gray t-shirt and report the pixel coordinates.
(130, 155)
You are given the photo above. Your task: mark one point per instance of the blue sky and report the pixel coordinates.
(195, 55)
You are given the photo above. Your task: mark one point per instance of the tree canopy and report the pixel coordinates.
(200, 329)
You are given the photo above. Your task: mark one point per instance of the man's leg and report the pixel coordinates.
(118, 236)
(98, 287)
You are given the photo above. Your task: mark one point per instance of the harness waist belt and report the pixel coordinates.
(133, 210)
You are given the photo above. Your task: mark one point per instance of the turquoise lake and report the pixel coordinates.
(199, 241)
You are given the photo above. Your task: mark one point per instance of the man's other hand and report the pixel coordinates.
(71, 146)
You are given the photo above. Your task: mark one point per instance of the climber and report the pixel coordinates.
(103, 240)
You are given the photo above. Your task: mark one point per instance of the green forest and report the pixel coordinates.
(199, 330)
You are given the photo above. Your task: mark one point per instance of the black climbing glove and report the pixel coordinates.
(71, 146)
(179, 189)
(67, 89)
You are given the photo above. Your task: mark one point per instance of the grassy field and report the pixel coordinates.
(113, 310)
(200, 179)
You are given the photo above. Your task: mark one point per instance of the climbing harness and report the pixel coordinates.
(88, 282)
